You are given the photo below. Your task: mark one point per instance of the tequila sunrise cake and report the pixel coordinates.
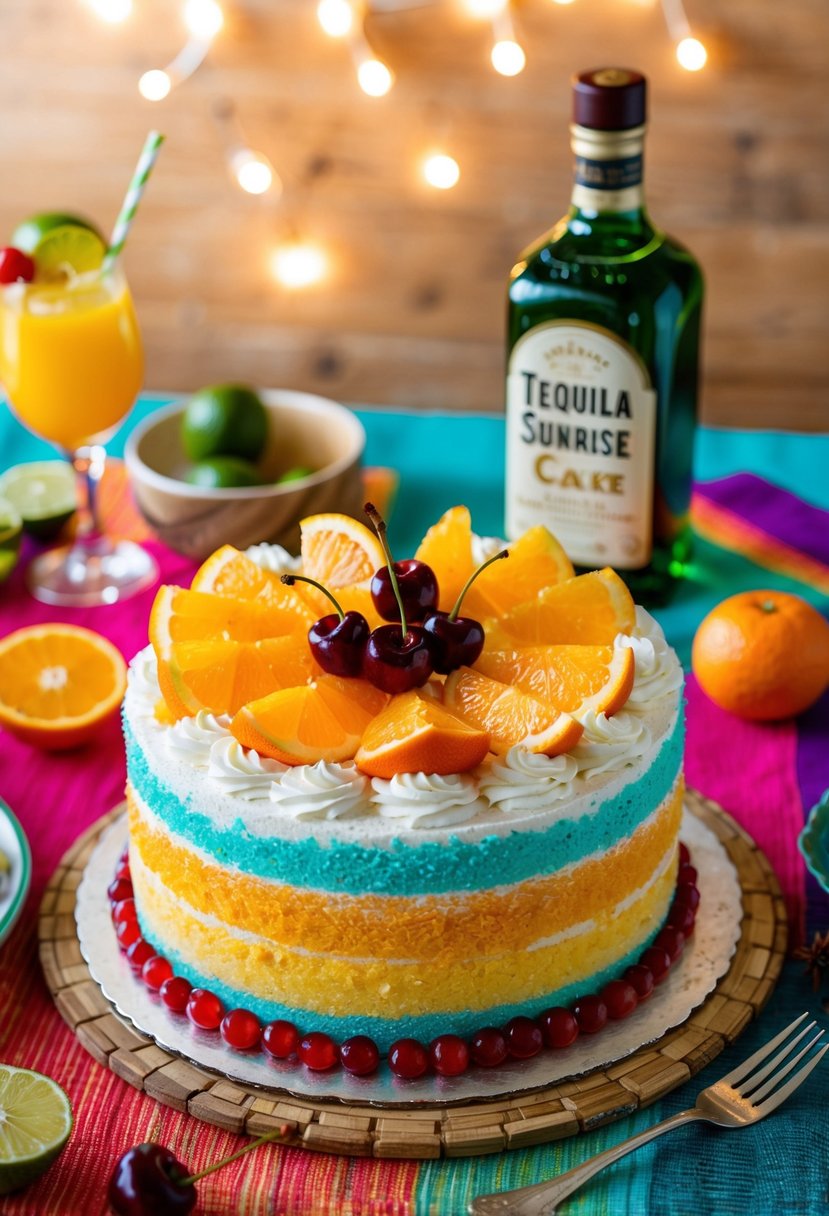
(403, 863)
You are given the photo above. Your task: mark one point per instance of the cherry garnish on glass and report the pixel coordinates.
(457, 641)
(338, 640)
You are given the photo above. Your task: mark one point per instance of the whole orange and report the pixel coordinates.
(762, 655)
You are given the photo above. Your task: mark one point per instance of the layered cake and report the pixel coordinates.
(360, 894)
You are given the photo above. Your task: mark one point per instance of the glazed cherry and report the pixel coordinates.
(123, 871)
(621, 999)
(280, 1039)
(449, 1055)
(118, 889)
(640, 979)
(672, 940)
(687, 876)
(684, 855)
(124, 910)
(687, 896)
(317, 1051)
(559, 1027)
(155, 971)
(139, 952)
(175, 993)
(682, 917)
(359, 1055)
(127, 932)
(396, 662)
(337, 641)
(488, 1047)
(204, 1009)
(418, 590)
(658, 961)
(149, 1181)
(524, 1038)
(240, 1029)
(408, 1059)
(15, 266)
(591, 1014)
(457, 641)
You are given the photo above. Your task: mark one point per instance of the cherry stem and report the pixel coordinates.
(379, 526)
(290, 579)
(278, 1133)
(453, 615)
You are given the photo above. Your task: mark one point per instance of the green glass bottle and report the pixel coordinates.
(603, 358)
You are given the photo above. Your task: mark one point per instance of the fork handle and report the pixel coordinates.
(543, 1198)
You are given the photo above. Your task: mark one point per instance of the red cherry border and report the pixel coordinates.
(448, 1055)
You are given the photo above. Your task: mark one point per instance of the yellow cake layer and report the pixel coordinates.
(344, 987)
(427, 927)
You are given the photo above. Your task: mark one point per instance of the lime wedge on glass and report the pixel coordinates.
(35, 1123)
(44, 495)
(67, 250)
(11, 528)
(27, 234)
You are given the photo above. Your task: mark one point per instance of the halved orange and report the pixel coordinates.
(339, 551)
(322, 720)
(228, 572)
(221, 675)
(536, 561)
(416, 734)
(509, 715)
(574, 678)
(58, 683)
(589, 610)
(447, 548)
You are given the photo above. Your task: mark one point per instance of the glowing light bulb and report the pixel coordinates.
(441, 171)
(374, 78)
(336, 17)
(562, 2)
(298, 264)
(691, 54)
(203, 18)
(252, 171)
(155, 84)
(508, 57)
(485, 9)
(111, 11)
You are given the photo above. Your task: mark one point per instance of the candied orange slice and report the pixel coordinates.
(58, 683)
(232, 574)
(322, 720)
(573, 678)
(589, 610)
(509, 715)
(447, 548)
(536, 561)
(339, 551)
(415, 734)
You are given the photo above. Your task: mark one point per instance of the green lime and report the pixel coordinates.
(11, 528)
(224, 420)
(35, 1122)
(43, 493)
(27, 234)
(67, 250)
(295, 474)
(223, 473)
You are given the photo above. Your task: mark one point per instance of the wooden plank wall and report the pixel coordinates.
(412, 312)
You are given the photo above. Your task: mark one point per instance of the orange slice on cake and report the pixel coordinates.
(509, 715)
(322, 720)
(233, 575)
(339, 551)
(573, 678)
(416, 734)
(589, 610)
(536, 561)
(447, 548)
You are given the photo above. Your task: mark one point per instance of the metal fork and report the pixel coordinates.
(743, 1096)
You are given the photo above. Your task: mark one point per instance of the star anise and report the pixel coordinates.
(816, 958)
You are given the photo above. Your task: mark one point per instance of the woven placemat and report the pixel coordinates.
(565, 1109)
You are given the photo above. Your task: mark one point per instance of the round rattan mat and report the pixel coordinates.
(565, 1109)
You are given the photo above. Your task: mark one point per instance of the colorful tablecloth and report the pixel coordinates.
(761, 517)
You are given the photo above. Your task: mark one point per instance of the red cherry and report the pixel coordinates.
(687, 896)
(559, 1027)
(359, 1055)
(682, 917)
(449, 1055)
(524, 1038)
(591, 1014)
(118, 889)
(317, 1051)
(204, 1009)
(488, 1047)
(280, 1039)
(687, 876)
(671, 940)
(621, 999)
(684, 855)
(241, 1029)
(139, 952)
(15, 266)
(338, 643)
(123, 871)
(641, 980)
(396, 662)
(455, 643)
(408, 1059)
(124, 910)
(127, 932)
(149, 1181)
(175, 993)
(418, 590)
(658, 961)
(155, 971)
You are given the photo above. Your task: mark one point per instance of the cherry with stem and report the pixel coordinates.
(338, 640)
(457, 641)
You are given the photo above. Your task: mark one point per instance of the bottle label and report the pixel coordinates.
(581, 425)
(617, 174)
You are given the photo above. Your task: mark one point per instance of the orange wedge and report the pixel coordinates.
(589, 610)
(536, 561)
(323, 720)
(415, 734)
(509, 715)
(58, 683)
(447, 548)
(573, 678)
(189, 616)
(339, 551)
(232, 574)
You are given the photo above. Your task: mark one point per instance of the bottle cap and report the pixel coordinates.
(609, 99)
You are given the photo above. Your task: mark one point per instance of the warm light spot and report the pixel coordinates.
(508, 57)
(691, 54)
(112, 11)
(252, 171)
(336, 17)
(155, 85)
(563, 1)
(203, 18)
(374, 77)
(299, 264)
(485, 9)
(441, 171)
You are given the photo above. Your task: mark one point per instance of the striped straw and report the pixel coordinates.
(140, 177)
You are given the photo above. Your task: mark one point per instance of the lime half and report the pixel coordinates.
(11, 527)
(67, 250)
(35, 1123)
(43, 494)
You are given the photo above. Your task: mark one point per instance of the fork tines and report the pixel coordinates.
(747, 1078)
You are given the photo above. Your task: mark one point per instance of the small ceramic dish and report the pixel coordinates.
(814, 841)
(302, 430)
(14, 886)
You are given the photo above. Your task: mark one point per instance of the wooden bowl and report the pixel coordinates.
(303, 430)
